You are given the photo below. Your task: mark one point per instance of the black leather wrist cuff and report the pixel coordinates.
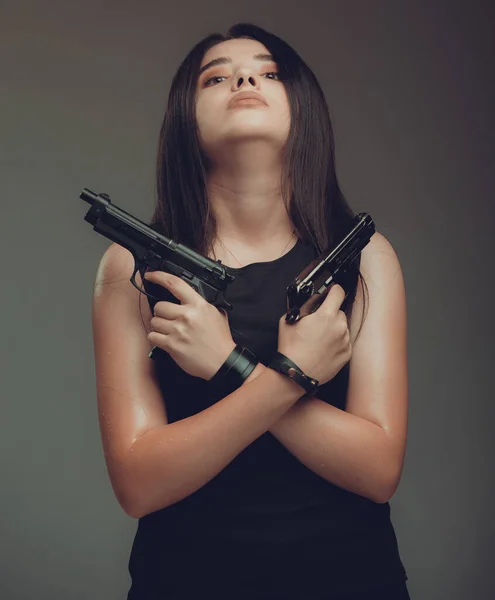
(284, 365)
(234, 371)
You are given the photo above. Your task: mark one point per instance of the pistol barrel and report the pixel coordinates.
(88, 196)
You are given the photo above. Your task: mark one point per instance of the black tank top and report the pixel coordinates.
(266, 524)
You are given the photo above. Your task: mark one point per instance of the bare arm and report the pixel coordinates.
(153, 463)
(171, 462)
(362, 449)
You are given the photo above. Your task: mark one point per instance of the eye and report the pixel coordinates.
(208, 82)
(277, 75)
(212, 80)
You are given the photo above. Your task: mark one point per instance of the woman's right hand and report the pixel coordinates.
(319, 343)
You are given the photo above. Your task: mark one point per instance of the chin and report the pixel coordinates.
(261, 138)
(254, 129)
(245, 132)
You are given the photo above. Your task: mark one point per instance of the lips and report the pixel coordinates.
(247, 96)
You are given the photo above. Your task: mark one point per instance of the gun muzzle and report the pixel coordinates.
(88, 196)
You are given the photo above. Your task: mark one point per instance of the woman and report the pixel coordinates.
(263, 490)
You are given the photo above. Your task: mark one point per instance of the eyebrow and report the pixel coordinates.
(224, 60)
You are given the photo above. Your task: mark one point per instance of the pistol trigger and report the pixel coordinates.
(133, 277)
(224, 305)
(133, 280)
(137, 266)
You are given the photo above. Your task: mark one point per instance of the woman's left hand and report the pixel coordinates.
(195, 333)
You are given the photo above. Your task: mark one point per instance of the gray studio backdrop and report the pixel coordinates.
(83, 90)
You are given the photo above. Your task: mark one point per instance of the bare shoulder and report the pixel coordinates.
(382, 273)
(113, 276)
(379, 257)
(116, 265)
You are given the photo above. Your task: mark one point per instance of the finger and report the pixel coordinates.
(160, 325)
(158, 339)
(168, 310)
(179, 288)
(335, 297)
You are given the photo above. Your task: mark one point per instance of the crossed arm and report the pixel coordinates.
(153, 463)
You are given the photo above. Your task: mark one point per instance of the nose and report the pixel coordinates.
(246, 77)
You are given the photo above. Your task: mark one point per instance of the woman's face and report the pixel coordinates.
(245, 66)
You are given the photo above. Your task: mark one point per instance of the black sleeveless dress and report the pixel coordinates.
(266, 526)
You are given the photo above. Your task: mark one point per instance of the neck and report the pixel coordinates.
(245, 196)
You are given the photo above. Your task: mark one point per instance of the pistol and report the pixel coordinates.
(309, 288)
(156, 252)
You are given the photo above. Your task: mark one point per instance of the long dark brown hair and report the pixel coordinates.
(310, 189)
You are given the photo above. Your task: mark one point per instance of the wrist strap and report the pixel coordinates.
(284, 365)
(235, 370)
